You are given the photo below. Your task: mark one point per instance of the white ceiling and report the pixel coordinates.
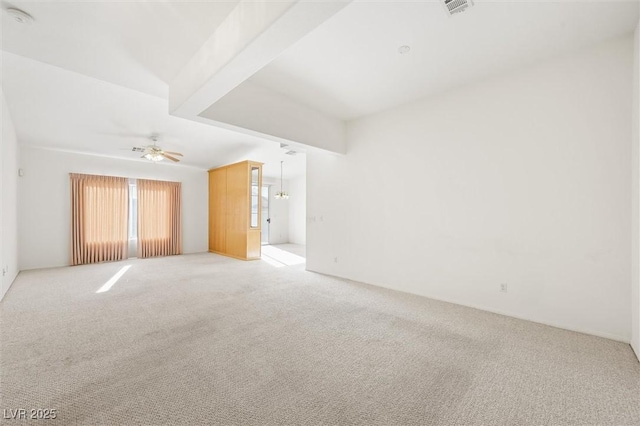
(133, 43)
(55, 108)
(92, 76)
(86, 71)
(350, 65)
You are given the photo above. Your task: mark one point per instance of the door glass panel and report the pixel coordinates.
(265, 215)
(255, 197)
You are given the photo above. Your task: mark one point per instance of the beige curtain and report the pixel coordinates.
(159, 218)
(99, 212)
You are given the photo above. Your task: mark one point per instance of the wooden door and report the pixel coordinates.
(217, 210)
(237, 210)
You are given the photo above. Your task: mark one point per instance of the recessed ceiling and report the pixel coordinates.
(137, 44)
(60, 109)
(350, 65)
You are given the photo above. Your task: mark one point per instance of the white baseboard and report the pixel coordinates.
(497, 311)
(537, 321)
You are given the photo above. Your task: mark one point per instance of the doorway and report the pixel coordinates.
(266, 220)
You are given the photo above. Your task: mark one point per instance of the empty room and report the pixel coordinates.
(320, 212)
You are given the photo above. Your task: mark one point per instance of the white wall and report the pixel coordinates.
(278, 212)
(523, 179)
(635, 165)
(298, 210)
(44, 204)
(8, 200)
(251, 106)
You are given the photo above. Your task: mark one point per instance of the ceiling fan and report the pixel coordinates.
(155, 153)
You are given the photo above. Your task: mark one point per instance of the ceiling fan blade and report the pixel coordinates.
(173, 153)
(165, 155)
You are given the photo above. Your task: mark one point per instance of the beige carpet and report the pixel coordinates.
(203, 339)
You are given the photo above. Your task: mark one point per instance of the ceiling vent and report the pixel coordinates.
(457, 6)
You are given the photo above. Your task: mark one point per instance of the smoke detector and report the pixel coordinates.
(457, 6)
(19, 16)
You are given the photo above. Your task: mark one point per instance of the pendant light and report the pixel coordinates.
(281, 195)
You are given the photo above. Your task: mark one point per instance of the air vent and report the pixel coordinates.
(457, 6)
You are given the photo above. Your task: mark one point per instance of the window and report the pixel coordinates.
(133, 210)
(112, 216)
(98, 218)
(159, 218)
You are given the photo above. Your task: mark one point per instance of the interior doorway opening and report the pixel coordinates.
(284, 218)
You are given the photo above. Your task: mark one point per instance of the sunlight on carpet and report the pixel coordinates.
(114, 279)
(278, 257)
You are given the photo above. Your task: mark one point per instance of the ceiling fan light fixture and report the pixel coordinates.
(154, 153)
(155, 157)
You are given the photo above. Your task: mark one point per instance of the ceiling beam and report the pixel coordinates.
(253, 35)
(277, 117)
